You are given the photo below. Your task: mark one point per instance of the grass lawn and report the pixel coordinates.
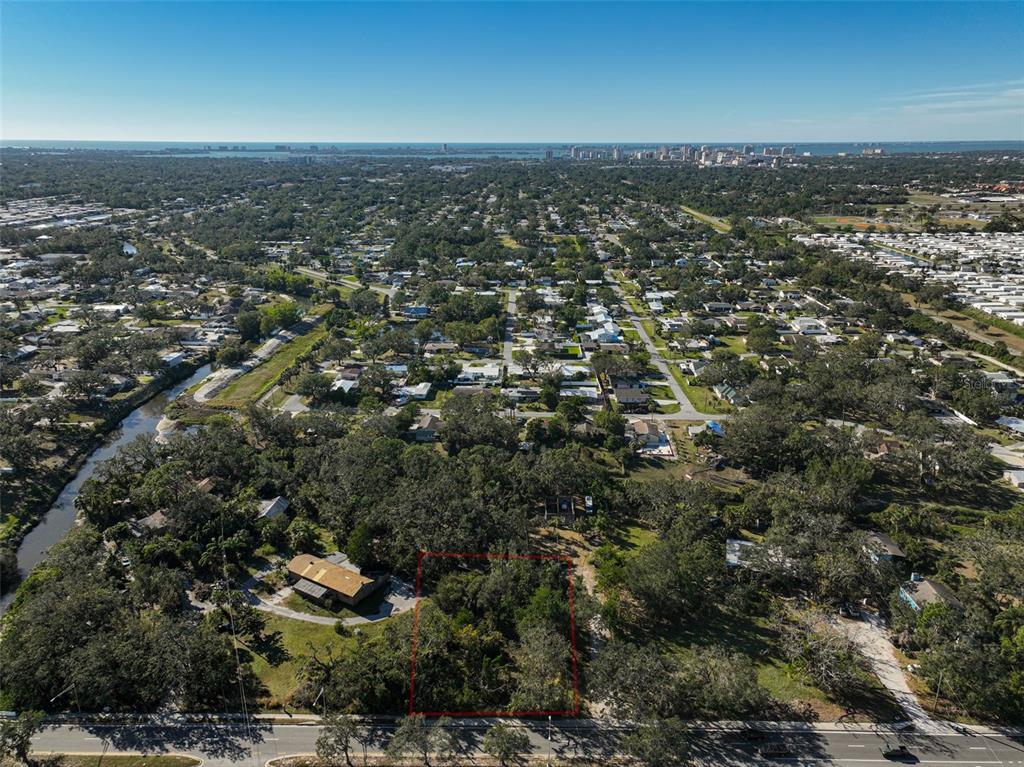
(735, 344)
(651, 328)
(277, 398)
(991, 319)
(636, 305)
(715, 223)
(1011, 335)
(660, 392)
(119, 760)
(254, 384)
(277, 662)
(701, 397)
(634, 537)
(857, 222)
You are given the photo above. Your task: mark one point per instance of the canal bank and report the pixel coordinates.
(60, 517)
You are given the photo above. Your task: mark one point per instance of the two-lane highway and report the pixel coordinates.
(238, 744)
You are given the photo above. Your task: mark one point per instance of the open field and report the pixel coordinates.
(858, 222)
(735, 344)
(701, 397)
(715, 223)
(277, 661)
(961, 319)
(257, 382)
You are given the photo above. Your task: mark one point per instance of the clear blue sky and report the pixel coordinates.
(600, 72)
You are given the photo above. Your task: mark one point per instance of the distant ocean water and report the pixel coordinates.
(263, 150)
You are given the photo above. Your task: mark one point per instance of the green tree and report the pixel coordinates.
(16, 735)
(316, 386)
(303, 535)
(248, 325)
(505, 743)
(148, 313)
(337, 732)
(413, 735)
(660, 743)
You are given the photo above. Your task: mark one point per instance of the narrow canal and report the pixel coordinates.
(61, 516)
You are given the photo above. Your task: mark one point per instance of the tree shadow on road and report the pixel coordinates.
(222, 741)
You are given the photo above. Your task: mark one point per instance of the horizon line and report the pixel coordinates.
(6, 141)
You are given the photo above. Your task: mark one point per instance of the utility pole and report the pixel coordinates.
(321, 695)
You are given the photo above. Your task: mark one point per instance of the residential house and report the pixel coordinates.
(156, 522)
(881, 548)
(630, 395)
(272, 508)
(418, 392)
(646, 433)
(807, 326)
(694, 367)
(717, 307)
(920, 592)
(728, 393)
(425, 429)
(327, 582)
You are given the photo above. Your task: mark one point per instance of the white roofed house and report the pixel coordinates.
(809, 326)
(646, 432)
(479, 372)
(607, 333)
(418, 392)
(173, 359)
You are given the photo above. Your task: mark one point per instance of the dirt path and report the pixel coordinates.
(870, 636)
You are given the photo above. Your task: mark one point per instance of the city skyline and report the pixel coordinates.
(512, 73)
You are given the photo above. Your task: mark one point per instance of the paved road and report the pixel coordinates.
(228, 745)
(687, 411)
(344, 282)
(510, 321)
(526, 415)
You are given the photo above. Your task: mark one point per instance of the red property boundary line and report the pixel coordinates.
(574, 711)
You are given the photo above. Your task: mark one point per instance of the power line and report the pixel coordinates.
(234, 644)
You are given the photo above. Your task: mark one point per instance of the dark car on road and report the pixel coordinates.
(776, 750)
(899, 754)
